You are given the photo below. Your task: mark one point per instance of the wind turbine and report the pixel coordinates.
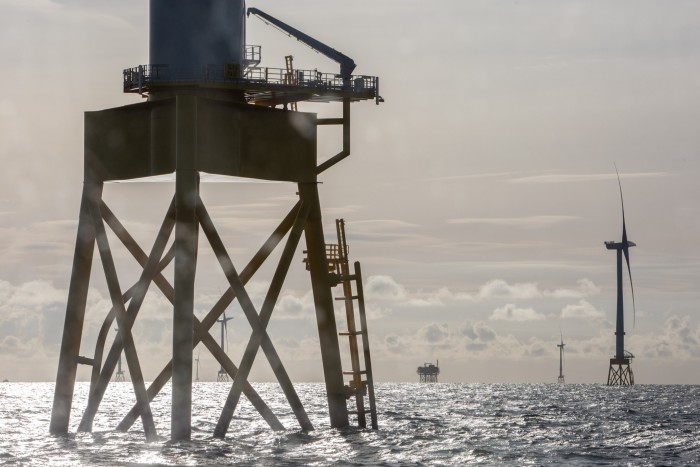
(222, 376)
(620, 372)
(560, 379)
(197, 360)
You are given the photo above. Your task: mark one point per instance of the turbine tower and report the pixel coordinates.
(560, 379)
(620, 372)
(222, 376)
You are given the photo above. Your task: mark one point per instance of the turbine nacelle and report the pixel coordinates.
(619, 245)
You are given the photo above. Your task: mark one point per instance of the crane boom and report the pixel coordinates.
(347, 64)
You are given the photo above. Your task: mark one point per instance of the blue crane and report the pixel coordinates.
(347, 64)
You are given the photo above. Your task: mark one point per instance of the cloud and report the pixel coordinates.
(478, 332)
(393, 344)
(18, 348)
(511, 312)
(468, 176)
(574, 178)
(678, 340)
(29, 294)
(434, 333)
(387, 289)
(383, 230)
(292, 306)
(383, 224)
(499, 288)
(441, 297)
(583, 310)
(39, 5)
(530, 222)
(680, 326)
(585, 288)
(60, 12)
(537, 348)
(383, 288)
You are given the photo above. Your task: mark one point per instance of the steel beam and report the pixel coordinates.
(75, 313)
(620, 321)
(259, 337)
(345, 120)
(152, 267)
(250, 269)
(186, 228)
(124, 330)
(323, 302)
(365, 347)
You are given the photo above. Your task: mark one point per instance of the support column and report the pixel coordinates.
(620, 321)
(75, 313)
(186, 229)
(323, 302)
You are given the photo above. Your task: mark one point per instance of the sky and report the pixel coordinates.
(477, 196)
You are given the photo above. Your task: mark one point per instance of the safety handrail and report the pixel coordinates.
(138, 78)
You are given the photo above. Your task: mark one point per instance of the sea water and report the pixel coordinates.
(419, 424)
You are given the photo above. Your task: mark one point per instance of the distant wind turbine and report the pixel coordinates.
(197, 360)
(622, 374)
(560, 379)
(222, 376)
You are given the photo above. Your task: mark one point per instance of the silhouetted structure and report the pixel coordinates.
(222, 375)
(428, 373)
(620, 371)
(362, 383)
(119, 377)
(210, 108)
(560, 378)
(197, 362)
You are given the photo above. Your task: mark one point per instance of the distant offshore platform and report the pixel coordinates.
(428, 373)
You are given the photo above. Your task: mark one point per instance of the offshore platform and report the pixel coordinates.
(620, 372)
(211, 108)
(428, 373)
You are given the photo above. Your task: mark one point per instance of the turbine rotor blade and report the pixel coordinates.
(622, 203)
(625, 246)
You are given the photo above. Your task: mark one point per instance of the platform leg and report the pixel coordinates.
(75, 313)
(186, 228)
(323, 302)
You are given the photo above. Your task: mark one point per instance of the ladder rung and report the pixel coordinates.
(347, 299)
(356, 412)
(355, 333)
(350, 277)
(363, 372)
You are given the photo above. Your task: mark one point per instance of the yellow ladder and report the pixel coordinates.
(357, 387)
(289, 77)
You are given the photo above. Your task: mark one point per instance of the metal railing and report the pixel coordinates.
(252, 54)
(140, 78)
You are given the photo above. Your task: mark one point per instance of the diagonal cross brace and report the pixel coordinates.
(102, 374)
(118, 304)
(202, 333)
(153, 266)
(257, 323)
(167, 290)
